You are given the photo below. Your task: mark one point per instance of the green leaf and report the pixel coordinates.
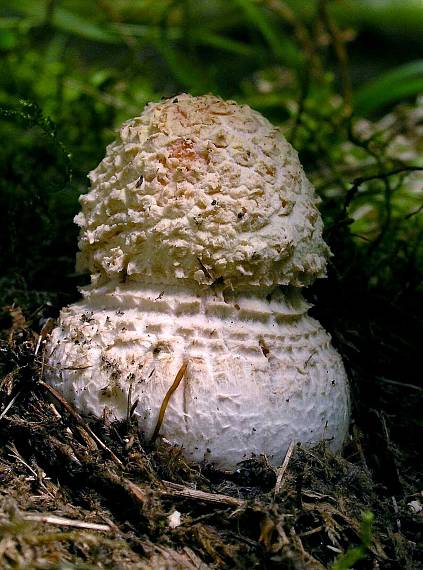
(75, 24)
(187, 72)
(284, 49)
(69, 22)
(222, 43)
(198, 36)
(404, 81)
(402, 18)
(354, 555)
(265, 101)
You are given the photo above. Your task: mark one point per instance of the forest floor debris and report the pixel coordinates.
(81, 493)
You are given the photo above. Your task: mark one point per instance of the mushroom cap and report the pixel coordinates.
(201, 189)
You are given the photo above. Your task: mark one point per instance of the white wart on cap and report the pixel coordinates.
(197, 214)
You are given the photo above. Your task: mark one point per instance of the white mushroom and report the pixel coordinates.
(196, 217)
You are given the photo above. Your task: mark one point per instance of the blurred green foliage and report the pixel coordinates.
(72, 71)
(354, 555)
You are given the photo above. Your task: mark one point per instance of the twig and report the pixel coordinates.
(135, 491)
(317, 496)
(334, 549)
(400, 384)
(163, 407)
(396, 509)
(45, 331)
(139, 495)
(379, 176)
(176, 490)
(196, 560)
(37, 476)
(65, 449)
(10, 404)
(61, 521)
(384, 176)
(282, 469)
(312, 531)
(308, 559)
(414, 213)
(186, 559)
(79, 420)
(16, 455)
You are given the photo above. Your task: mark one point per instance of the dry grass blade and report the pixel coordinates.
(10, 404)
(399, 384)
(282, 469)
(176, 382)
(46, 518)
(45, 331)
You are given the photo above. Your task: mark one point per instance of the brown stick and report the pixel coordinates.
(283, 468)
(163, 407)
(176, 490)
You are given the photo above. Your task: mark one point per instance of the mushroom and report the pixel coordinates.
(199, 231)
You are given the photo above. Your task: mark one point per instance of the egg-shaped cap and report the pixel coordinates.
(201, 189)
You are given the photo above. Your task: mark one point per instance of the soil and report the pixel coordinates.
(361, 510)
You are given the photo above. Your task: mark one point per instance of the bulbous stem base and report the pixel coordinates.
(259, 373)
